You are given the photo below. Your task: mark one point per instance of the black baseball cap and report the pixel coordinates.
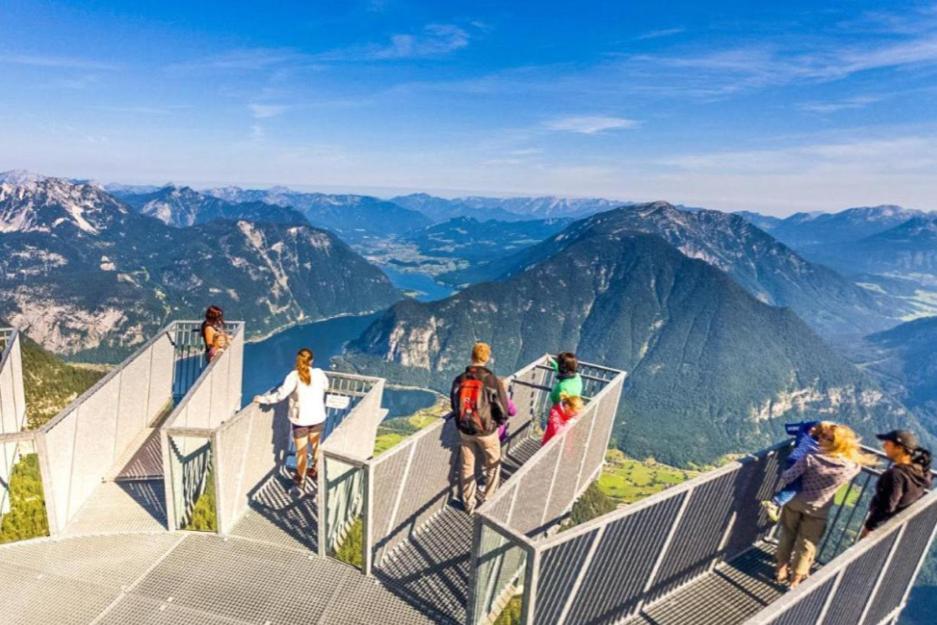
(900, 437)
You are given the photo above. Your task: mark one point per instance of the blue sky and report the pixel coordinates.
(733, 106)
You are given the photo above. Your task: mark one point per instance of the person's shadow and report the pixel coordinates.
(275, 497)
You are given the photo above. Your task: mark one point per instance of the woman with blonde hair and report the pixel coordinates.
(561, 414)
(838, 459)
(305, 387)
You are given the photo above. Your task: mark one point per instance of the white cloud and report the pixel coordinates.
(265, 111)
(846, 104)
(434, 40)
(59, 62)
(663, 32)
(244, 59)
(590, 124)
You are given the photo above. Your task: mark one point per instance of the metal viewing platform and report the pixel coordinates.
(170, 504)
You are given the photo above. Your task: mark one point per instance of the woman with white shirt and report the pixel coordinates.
(305, 387)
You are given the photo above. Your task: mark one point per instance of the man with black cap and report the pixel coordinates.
(906, 481)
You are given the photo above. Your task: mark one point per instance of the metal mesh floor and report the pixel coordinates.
(278, 517)
(186, 579)
(729, 595)
(431, 570)
(126, 506)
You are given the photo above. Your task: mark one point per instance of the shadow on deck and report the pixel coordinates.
(728, 595)
(431, 569)
(279, 517)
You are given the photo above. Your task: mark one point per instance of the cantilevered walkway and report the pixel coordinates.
(168, 504)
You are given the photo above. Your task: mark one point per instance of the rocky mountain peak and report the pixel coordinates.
(35, 203)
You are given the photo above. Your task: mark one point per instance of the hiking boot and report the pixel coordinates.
(771, 509)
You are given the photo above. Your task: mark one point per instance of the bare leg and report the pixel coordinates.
(301, 452)
(314, 443)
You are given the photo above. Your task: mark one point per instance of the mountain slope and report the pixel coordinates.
(356, 218)
(907, 250)
(440, 209)
(804, 231)
(769, 270)
(712, 369)
(905, 360)
(184, 206)
(91, 278)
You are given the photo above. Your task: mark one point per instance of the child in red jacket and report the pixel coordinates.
(560, 415)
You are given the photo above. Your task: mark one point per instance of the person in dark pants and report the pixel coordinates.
(907, 480)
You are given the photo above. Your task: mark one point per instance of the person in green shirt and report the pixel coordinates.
(568, 380)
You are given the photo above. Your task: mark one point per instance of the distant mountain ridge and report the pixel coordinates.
(356, 218)
(89, 277)
(766, 268)
(711, 369)
(184, 206)
(504, 209)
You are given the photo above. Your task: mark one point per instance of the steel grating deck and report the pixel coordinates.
(729, 595)
(186, 579)
(275, 516)
(431, 569)
(125, 506)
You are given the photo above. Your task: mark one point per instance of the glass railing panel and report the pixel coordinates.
(342, 525)
(850, 507)
(22, 499)
(500, 569)
(191, 472)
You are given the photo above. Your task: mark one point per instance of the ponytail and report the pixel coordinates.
(303, 364)
(922, 458)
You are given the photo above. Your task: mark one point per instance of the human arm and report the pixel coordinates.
(276, 396)
(794, 471)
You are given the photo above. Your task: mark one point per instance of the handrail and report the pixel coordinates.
(110, 375)
(890, 530)
(205, 374)
(532, 464)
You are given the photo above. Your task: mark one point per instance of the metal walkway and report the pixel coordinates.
(431, 569)
(278, 517)
(133, 501)
(729, 595)
(186, 578)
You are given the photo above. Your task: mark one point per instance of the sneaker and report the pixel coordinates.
(772, 509)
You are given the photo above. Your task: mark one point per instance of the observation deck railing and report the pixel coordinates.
(12, 411)
(537, 497)
(860, 582)
(398, 491)
(205, 396)
(257, 440)
(609, 569)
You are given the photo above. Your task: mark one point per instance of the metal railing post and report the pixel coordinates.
(881, 573)
(531, 577)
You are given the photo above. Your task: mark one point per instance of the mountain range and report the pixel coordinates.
(89, 277)
(184, 206)
(769, 270)
(504, 209)
(355, 218)
(711, 368)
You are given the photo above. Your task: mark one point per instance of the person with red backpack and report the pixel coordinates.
(479, 406)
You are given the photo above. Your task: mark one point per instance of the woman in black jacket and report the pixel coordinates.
(907, 480)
